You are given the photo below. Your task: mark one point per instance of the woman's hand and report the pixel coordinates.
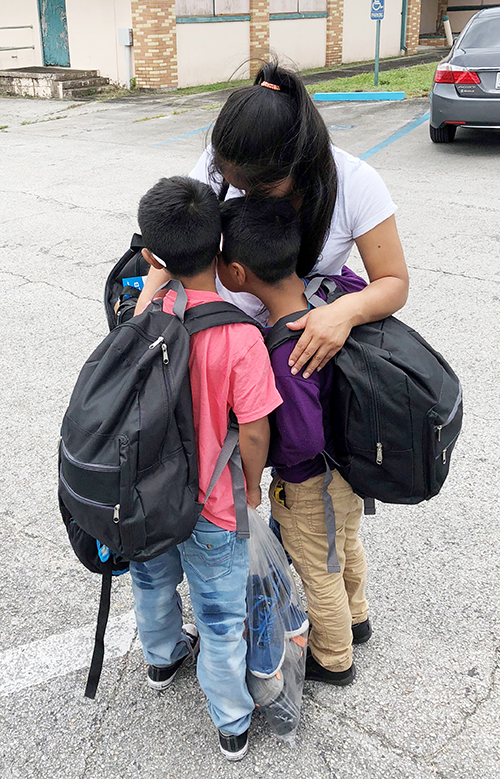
(325, 332)
(327, 327)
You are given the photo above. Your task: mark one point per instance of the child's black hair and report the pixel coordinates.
(261, 234)
(179, 219)
(270, 134)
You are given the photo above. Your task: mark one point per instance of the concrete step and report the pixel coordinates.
(49, 73)
(81, 83)
(81, 93)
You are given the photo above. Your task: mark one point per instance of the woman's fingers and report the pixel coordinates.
(321, 340)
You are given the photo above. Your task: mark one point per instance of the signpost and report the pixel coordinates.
(377, 13)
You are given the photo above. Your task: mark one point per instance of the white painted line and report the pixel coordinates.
(58, 655)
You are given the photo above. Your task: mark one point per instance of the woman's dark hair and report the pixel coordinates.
(261, 234)
(271, 134)
(180, 222)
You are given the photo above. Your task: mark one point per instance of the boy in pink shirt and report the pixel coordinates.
(229, 370)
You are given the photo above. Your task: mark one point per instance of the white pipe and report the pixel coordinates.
(447, 30)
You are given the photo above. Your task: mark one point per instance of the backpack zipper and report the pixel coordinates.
(160, 341)
(379, 458)
(88, 466)
(90, 502)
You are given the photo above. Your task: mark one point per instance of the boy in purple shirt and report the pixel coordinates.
(259, 255)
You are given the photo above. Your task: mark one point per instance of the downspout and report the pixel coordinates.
(404, 24)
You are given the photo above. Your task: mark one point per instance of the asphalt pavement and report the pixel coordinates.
(425, 702)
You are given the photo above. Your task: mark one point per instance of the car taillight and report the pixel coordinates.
(452, 74)
(466, 77)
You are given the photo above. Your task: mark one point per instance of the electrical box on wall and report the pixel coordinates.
(125, 36)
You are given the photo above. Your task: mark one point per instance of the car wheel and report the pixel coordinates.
(444, 134)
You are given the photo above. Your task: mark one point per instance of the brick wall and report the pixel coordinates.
(413, 26)
(334, 31)
(155, 44)
(259, 34)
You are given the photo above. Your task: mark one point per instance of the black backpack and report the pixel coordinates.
(128, 478)
(397, 406)
(120, 298)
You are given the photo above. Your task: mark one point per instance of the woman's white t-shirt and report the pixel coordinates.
(363, 202)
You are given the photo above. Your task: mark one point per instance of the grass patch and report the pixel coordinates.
(415, 81)
(3, 126)
(182, 111)
(213, 87)
(148, 118)
(211, 107)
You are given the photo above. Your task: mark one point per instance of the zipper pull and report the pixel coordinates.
(165, 353)
(443, 457)
(379, 454)
(156, 343)
(438, 430)
(116, 514)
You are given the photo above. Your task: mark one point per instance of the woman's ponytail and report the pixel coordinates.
(272, 130)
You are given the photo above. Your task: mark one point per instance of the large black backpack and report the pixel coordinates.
(128, 476)
(397, 406)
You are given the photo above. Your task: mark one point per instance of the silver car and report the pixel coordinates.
(466, 89)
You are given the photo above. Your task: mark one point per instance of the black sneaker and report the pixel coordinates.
(159, 677)
(361, 633)
(233, 747)
(316, 673)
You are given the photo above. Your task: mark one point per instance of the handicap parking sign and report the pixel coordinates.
(377, 9)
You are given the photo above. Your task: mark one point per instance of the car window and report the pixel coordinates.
(482, 34)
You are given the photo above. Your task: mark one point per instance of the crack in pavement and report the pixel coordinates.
(48, 284)
(94, 742)
(397, 749)
(66, 204)
(451, 273)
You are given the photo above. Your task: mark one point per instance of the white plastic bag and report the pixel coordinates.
(277, 630)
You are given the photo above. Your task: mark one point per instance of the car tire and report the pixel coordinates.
(444, 134)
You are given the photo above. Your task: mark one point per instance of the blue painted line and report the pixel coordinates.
(186, 135)
(356, 96)
(395, 136)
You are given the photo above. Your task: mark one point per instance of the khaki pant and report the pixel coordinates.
(335, 601)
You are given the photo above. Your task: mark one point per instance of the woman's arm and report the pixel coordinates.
(327, 327)
(156, 277)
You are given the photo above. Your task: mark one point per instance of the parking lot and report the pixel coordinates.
(426, 699)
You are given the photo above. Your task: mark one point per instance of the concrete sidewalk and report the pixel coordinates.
(425, 702)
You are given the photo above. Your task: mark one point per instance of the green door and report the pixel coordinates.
(54, 30)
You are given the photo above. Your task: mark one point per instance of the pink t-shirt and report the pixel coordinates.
(229, 367)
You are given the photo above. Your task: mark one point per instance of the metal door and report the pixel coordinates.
(54, 30)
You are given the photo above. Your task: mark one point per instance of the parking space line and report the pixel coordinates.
(186, 135)
(38, 662)
(395, 136)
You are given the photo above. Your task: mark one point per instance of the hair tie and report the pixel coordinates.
(270, 86)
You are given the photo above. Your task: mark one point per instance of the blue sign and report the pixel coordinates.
(377, 9)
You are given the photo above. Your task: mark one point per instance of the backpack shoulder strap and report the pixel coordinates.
(280, 333)
(215, 314)
(327, 285)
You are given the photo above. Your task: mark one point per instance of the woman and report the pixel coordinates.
(270, 139)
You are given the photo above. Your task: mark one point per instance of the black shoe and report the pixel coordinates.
(159, 677)
(233, 747)
(361, 633)
(316, 673)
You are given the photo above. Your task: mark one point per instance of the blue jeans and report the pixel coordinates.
(216, 565)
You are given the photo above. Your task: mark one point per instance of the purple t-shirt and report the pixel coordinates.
(301, 428)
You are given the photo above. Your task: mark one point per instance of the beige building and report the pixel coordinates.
(190, 42)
